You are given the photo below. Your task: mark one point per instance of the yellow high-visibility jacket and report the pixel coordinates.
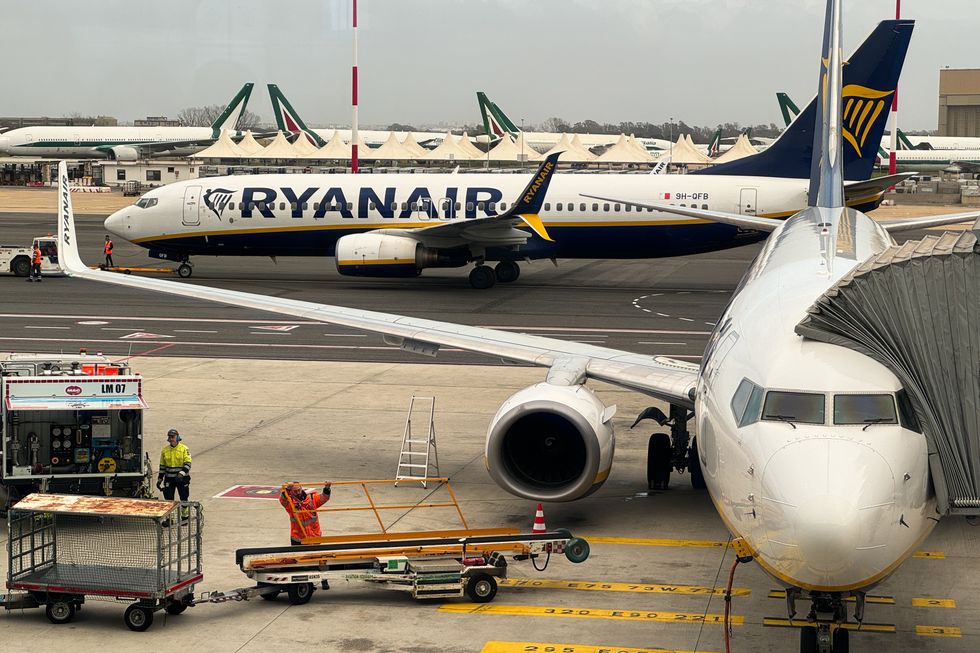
(173, 460)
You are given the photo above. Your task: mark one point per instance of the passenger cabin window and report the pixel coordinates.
(864, 409)
(503, 206)
(547, 206)
(559, 206)
(746, 403)
(581, 207)
(605, 207)
(802, 407)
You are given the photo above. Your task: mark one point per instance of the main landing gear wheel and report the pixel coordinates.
(481, 588)
(184, 271)
(694, 464)
(300, 593)
(60, 612)
(138, 618)
(842, 642)
(507, 271)
(808, 639)
(658, 461)
(482, 277)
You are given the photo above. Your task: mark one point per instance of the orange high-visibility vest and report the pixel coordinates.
(303, 520)
(108, 247)
(37, 256)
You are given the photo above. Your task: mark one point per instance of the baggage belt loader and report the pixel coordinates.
(425, 564)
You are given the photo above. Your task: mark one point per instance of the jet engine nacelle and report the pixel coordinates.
(551, 443)
(124, 153)
(388, 255)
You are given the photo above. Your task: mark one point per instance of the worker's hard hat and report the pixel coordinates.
(172, 433)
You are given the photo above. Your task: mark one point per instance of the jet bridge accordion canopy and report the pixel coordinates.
(915, 308)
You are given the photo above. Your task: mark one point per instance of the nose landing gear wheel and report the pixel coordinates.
(808, 639)
(658, 461)
(507, 271)
(482, 277)
(184, 271)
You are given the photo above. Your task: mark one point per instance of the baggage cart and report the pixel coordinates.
(63, 549)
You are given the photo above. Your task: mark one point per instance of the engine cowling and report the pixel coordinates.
(389, 255)
(124, 153)
(551, 443)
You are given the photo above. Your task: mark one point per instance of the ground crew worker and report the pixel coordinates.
(35, 264)
(175, 468)
(301, 506)
(108, 252)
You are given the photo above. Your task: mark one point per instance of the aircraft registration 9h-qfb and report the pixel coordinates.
(396, 225)
(808, 449)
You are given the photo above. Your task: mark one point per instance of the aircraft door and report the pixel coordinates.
(747, 201)
(192, 205)
(423, 209)
(447, 208)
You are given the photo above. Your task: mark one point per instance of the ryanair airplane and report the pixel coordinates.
(396, 225)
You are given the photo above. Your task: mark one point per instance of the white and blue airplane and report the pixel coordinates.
(389, 225)
(123, 143)
(805, 447)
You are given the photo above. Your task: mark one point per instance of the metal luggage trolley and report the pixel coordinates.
(64, 548)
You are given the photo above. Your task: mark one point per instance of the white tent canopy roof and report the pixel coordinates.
(223, 148)
(684, 152)
(466, 144)
(571, 149)
(413, 146)
(390, 150)
(507, 149)
(279, 148)
(249, 145)
(304, 147)
(448, 150)
(335, 148)
(623, 152)
(741, 149)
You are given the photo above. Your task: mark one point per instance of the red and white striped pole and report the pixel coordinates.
(353, 131)
(893, 118)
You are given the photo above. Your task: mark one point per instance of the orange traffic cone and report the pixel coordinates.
(539, 521)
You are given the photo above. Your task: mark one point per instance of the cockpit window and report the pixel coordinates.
(146, 202)
(864, 409)
(906, 413)
(802, 407)
(746, 403)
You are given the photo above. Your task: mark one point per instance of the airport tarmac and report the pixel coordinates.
(652, 582)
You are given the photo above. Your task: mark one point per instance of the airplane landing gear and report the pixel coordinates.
(482, 277)
(828, 614)
(185, 269)
(507, 271)
(669, 452)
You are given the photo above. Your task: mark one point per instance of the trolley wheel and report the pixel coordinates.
(138, 617)
(481, 588)
(300, 593)
(175, 607)
(60, 612)
(21, 266)
(577, 550)
(184, 271)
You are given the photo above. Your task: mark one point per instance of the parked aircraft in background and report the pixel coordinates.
(386, 225)
(123, 143)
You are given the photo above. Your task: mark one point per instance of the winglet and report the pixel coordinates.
(68, 257)
(529, 204)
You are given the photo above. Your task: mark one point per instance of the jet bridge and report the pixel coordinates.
(915, 308)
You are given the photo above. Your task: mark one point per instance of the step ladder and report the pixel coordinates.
(418, 451)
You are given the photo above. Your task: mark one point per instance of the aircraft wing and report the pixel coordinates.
(569, 362)
(907, 224)
(735, 219)
(853, 189)
(496, 228)
(159, 146)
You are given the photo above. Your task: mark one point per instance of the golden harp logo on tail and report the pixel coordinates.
(862, 107)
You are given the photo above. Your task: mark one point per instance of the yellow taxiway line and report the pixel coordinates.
(646, 588)
(589, 613)
(553, 647)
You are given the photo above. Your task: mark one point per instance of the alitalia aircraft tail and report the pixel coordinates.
(870, 79)
(228, 119)
(714, 147)
(495, 122)
(288, 120)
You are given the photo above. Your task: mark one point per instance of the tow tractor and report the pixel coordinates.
(425, 564)
(16, 260)
(71, 423)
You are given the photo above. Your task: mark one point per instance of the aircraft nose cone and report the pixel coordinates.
(114, 224)
(824, 503)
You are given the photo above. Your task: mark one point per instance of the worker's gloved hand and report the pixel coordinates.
(326, 487)
(160, 484)
(182, 473)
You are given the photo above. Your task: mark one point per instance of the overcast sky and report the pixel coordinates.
(421, 61)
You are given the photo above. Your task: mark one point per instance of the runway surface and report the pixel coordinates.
(657, 306)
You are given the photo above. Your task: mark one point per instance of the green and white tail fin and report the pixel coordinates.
(495, 122)
(714, 147)
(228, 120)
(787, 107)
(288, 120)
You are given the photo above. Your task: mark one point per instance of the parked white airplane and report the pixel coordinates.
(396, 225)
(804, 446)
(122, 143)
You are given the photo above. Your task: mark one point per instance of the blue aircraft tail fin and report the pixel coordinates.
(869, 80)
